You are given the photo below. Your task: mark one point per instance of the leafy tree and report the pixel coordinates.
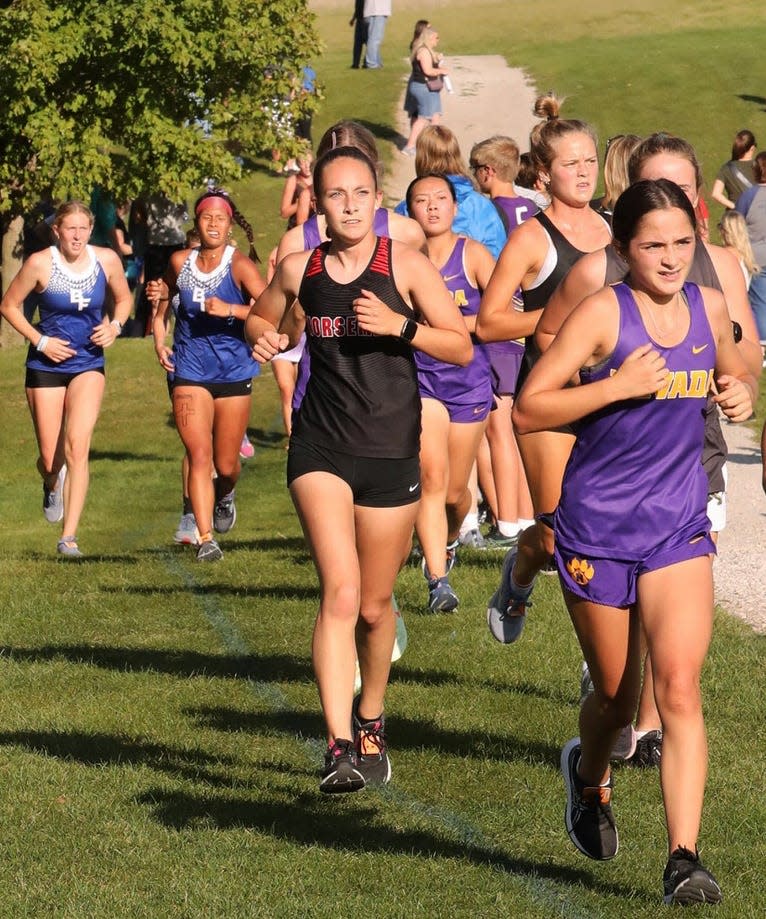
(143, 95)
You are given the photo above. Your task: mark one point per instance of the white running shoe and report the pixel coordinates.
(187, 533)
(53, 499)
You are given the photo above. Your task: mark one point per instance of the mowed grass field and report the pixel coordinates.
(159, 724)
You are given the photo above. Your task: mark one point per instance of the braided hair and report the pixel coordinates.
(236, 215)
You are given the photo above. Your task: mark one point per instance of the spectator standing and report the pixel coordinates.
(376, 13)
(736, 175)
(360, 33)
(752, 205)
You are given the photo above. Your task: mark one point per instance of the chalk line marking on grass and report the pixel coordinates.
(545, 891)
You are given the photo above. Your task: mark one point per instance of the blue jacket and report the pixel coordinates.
(477, 216)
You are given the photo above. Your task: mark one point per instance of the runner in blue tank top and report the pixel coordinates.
(65, 362)
(456, 400)
(211, 364)
(353, 466)
(632, 536)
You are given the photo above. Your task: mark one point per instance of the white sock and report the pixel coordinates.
(470, 522)
(524, 524)
(508, 527)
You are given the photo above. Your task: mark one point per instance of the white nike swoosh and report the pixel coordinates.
(413, 487)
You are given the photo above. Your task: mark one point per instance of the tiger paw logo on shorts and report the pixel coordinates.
(581, 570)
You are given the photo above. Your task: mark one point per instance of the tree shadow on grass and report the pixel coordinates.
(312, 821)
(406, 734)
(756, 100)
(99, 749)
(262, 668)
(262, 592)
(122, 456)
(267, 439)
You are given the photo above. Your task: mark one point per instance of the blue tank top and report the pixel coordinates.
(210, 349)
(71, 306)
(634, 478)
(461, 385)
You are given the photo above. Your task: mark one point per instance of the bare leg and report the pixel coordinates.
(46, 406)
(193, 411)
(285, 373)
(431, 524)
(230, 417)
(677, 611)
(609, 639)
(462, 447)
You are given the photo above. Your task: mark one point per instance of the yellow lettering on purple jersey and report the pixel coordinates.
(460, 298)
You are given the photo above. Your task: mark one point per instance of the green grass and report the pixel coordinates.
(160, 729)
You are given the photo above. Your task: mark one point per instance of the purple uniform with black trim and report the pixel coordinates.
(458, 387)
(312, 240)
(71, 306)
(210, 349)
(634, 486)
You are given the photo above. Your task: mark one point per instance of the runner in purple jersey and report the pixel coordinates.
(665, 156)
(456, 400)
(632, 535)
(353, 468)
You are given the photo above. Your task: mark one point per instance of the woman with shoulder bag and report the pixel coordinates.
(425, 87)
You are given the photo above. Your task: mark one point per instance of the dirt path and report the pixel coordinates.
(492, 98)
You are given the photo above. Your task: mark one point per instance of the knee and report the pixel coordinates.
(340, 602)
(677, 693)
(376, 613)
(433, 481)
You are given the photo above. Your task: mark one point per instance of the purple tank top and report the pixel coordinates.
(312, 238)
(634, 478)
(447, 382)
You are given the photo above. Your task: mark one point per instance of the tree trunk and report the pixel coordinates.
(12, 251)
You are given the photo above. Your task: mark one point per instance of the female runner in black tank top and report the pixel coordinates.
(352, 469)
(535, 259)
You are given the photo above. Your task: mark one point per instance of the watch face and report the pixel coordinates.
(737, 330)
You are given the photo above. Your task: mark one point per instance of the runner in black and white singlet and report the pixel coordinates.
(353, 467)
(632, 535)
(211, 363)
(456, 400)
(65, 363)
(537, 255)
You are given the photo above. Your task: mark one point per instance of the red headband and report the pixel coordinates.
(212, 202)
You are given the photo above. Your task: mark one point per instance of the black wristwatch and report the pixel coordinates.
(737, 330)
(409, 330)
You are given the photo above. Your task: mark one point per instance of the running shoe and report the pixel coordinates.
(441, 597)
(371, 750)
(497, 540)
(625, 745)
(187, 533)
(507, 611)
(472, 540)
(648, 752)
(687, 881)
(246, 449)
(588, 814)
(450, 559)
(67, 546)
(209, 551)
(224, 513)
(53, 499)
(550, 567)
(340, 773)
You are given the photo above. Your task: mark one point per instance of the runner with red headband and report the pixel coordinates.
(210, 366)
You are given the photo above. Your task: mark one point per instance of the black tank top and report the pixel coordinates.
(537, 297)
(362, 397)
(714, 451)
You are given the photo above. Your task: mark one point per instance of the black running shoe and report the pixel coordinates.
(371, 749)
(340, 773)
(648, 751)
(686, 880)
(588, 814)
